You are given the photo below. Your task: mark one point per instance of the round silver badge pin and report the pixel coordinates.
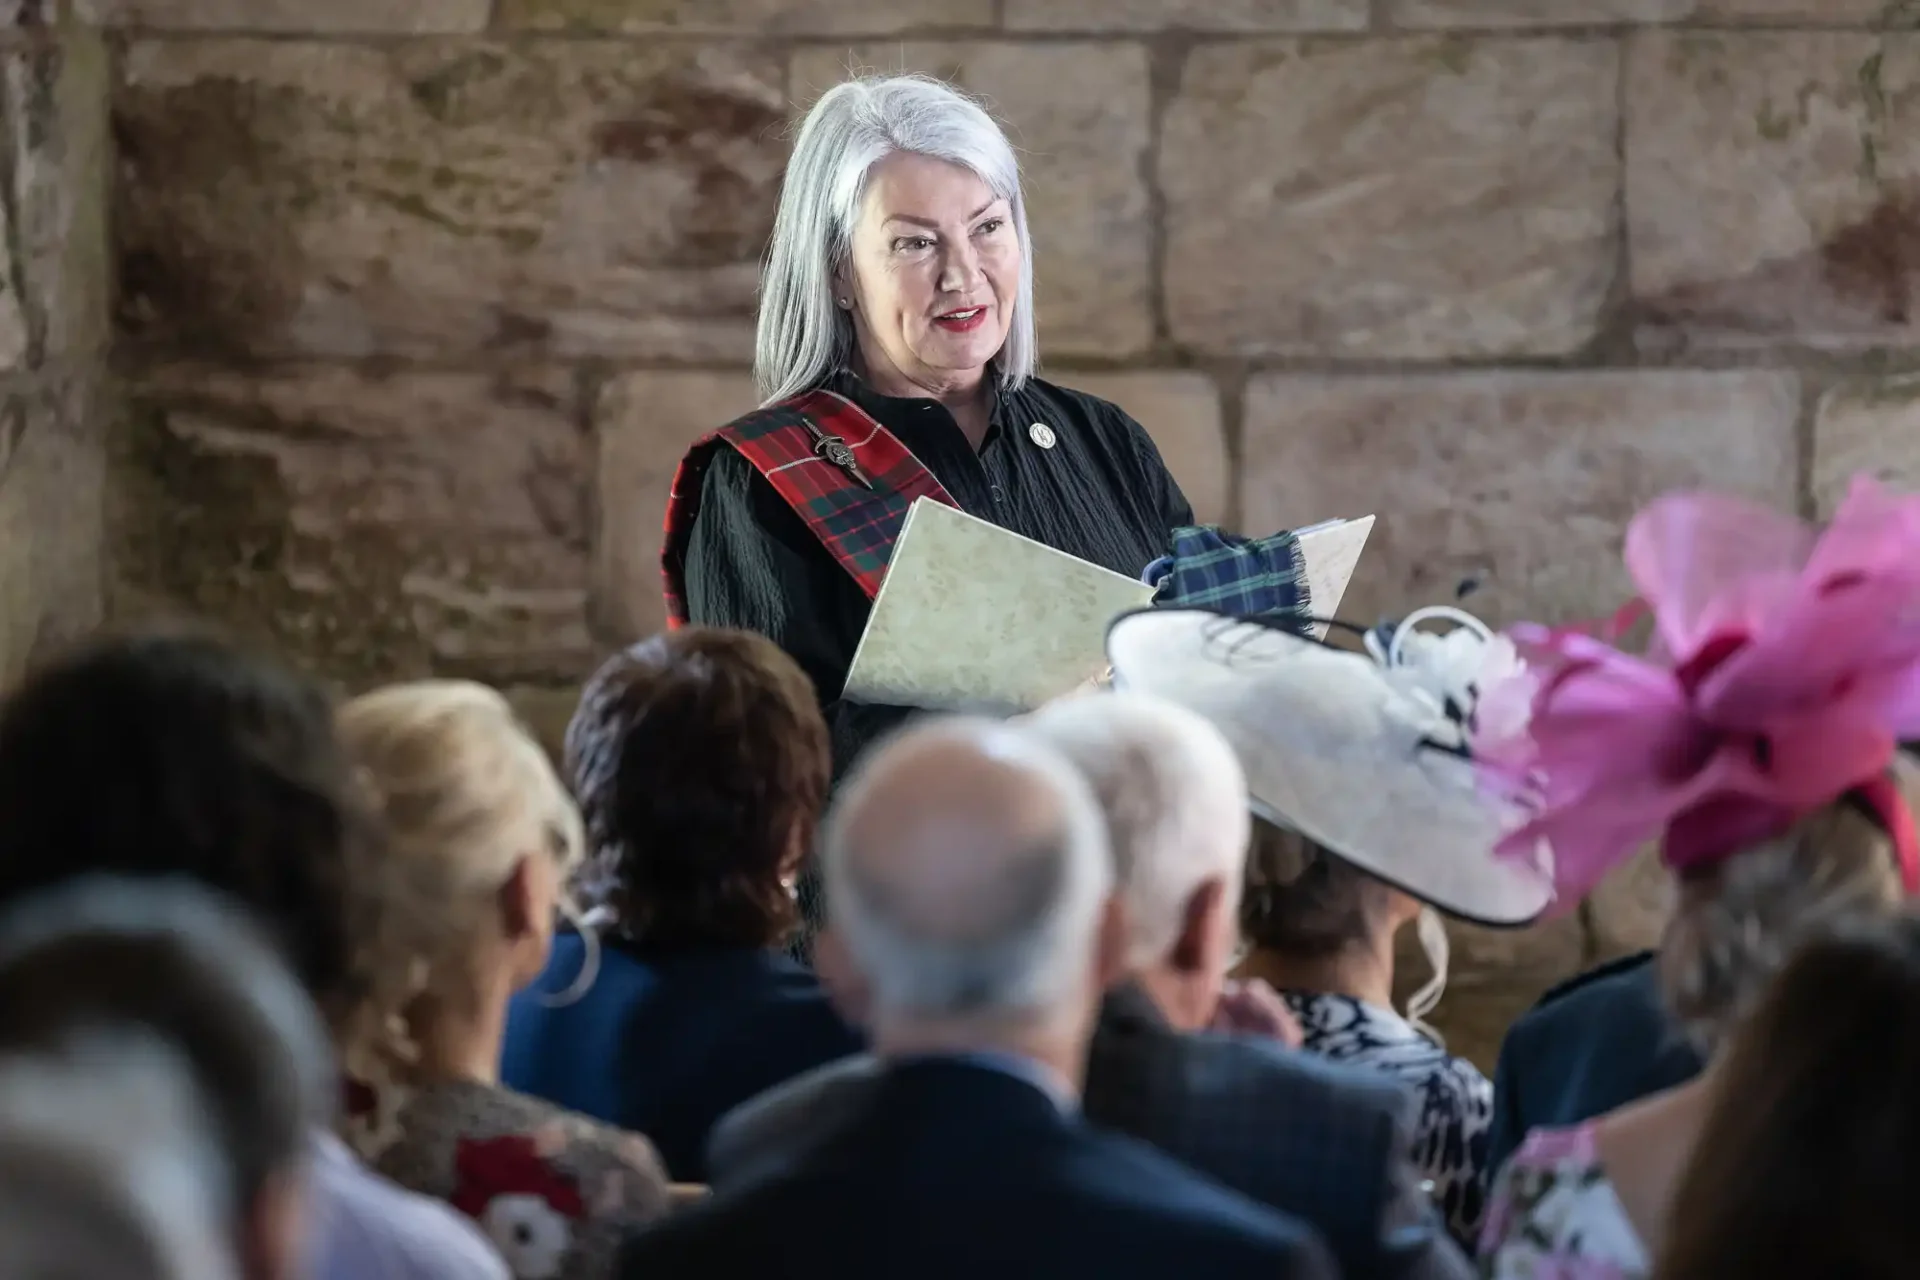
(1041, 434)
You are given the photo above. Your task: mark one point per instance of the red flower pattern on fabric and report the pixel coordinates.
(525, 1204)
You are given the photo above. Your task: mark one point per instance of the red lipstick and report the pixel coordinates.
(963, 321)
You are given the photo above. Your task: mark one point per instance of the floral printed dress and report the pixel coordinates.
(1553, 1215)
(555, 1192)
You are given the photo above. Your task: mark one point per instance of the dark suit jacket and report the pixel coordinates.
(665, 1043)
(1325, 1144)
(1591, 1045)
(962, 1171)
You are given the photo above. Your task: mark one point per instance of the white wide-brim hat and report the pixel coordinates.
(1359, 752)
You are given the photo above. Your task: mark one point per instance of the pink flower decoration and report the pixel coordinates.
(1784, 672)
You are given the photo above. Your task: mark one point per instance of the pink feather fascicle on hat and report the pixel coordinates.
(1783, 673)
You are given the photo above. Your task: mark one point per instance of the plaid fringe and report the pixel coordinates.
(1247, 577)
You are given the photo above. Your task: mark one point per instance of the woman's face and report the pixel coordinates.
(935, 272)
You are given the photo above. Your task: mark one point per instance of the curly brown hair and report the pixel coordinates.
(696, 756)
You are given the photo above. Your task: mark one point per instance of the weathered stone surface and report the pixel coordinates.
(1629, 909)
(1190, 15)
(332, 17)
(29, 13)
(1773, 188)
(1831, 12)
(55, 302)
(644, 423)
(51, 522)
(15, 341)
(749, 17)
(1419, 198)
(1493, 976)
(1181, 411)
(1079, 113)
(443, 200)
(1519, 482)
(1419, 14)
(372, 527)
(545, 710)
(1867, 426)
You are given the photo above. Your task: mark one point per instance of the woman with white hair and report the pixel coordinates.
(895, 357)
(480, 839)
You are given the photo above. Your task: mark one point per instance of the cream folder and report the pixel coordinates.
(977, 617)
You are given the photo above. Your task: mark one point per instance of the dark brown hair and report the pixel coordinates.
(695, 757)
(1301, 902)
(1806, 1162)
(173, 753)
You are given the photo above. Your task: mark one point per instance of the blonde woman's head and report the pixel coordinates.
(460, 903)
(1738, 921)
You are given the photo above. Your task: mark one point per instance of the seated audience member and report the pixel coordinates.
(1323, 1143)
(700, 762)
(107, 1171)
(1591, 1045)
(968, 885)
(1322, 931)
(1783, 671)
(174, 755)
(1600, 1191)
(480, 838)
(1370, 818)
(176, 964)
(1808, 1154)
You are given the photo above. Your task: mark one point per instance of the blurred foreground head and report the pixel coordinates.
(106, 1170)
(175, 754)
(171, 964)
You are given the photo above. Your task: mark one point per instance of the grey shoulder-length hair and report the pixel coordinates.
(802, 336)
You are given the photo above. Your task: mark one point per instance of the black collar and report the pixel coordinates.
(884, 408)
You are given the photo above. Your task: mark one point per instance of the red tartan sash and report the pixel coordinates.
(856, 511)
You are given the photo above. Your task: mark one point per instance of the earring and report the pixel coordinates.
(843, 302)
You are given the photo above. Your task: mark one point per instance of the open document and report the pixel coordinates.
(973, 616)
(1332, 549)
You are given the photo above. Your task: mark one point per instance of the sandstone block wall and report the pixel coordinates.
(419, 300)
(55, 273)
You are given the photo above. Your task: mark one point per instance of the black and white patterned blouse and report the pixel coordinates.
(1456, 1101)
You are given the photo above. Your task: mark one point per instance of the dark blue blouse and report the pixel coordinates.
(664, 1043)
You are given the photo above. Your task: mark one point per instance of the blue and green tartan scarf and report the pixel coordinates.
(1212, 569)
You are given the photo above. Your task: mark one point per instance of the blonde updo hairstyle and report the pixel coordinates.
(1739, 920)
(465, 793)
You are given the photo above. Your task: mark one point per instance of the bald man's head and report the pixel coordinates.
(967, 869)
